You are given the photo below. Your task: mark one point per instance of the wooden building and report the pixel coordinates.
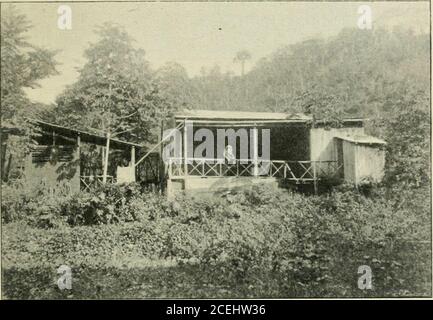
(302, 151)
(361, 157)
(57, 157)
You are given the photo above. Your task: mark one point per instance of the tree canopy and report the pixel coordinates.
(360, 68)
(22, 65)
(116, 91)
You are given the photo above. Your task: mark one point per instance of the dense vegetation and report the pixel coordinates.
(257, 242)
(22, 66)
(123, 241)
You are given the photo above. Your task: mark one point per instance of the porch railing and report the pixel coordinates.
(298, 171)
(89, 182)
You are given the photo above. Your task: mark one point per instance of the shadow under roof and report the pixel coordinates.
(246, 117)
(239, 115)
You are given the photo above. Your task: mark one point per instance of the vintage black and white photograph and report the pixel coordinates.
(215, 150)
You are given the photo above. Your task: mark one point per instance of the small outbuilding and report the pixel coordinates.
(361, 158)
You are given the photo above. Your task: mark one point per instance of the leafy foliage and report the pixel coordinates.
(22, 66)
(115, 91)
(258, 242)
(357, 71)
(407, 132)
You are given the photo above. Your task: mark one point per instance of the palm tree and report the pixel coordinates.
(241, 57)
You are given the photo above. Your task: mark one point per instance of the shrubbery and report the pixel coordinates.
(257, 242)
(107, 204)
(38, 205)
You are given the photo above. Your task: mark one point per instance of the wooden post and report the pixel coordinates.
(78, 149)
(8, 167)
(314, 177)
(107, 151)
(78, 155)
(185, 149)
(237, 167)
(102, 157)
(255, 151)
(132, 164)
(132, 156)
(4, 138)
(162, 168)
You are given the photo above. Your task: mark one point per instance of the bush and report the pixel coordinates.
(110, 203)
(258, 242)
(38, 205)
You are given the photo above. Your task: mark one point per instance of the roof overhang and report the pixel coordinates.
(362, 139)
(244, 118)
(71, 133)
(85, 136)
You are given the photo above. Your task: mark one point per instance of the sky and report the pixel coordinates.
(201, 34)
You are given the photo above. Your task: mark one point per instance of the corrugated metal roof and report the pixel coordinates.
(239, 115)
(361, 139)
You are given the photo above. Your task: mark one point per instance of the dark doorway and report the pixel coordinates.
(290, 142)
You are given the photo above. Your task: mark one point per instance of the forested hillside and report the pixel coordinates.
(364, 72)
(373, 74)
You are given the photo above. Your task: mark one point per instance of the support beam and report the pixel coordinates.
(8, 167)
(102, 157)
(78, 146)
(132, 156)
(158, 144)
(162, 167)
(185, 149)
(4, 138)
(313, 163)
(107, 151)
(78, 156)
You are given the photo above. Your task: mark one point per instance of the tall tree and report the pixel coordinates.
(241, 57)
(175, 85)
(22, 65)
(216, 90)
(407, 131)
(115, 92)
